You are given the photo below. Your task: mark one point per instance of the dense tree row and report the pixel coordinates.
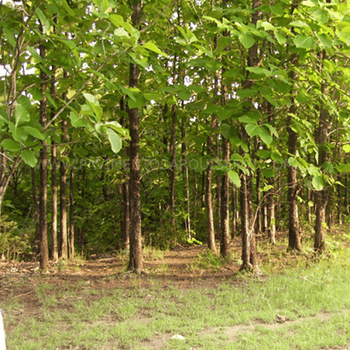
(126, 123)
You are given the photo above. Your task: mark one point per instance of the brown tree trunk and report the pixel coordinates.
(71, 214)
(340, 202)
(54, 247)
(125, 205)
(225, 203)
(54, 192)
(271, 219)
(135, 258)
(36, 243)
(321, 196)
(234, 211)
(63, 197)
(247, 230)
(172, 172)
(293, 220)
(249, 256)
(346, 195)
(258, 202)
(44, 249)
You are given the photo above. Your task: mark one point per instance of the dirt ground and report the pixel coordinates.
(19, 280)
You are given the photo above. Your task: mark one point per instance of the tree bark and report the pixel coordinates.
(209, 201)
(172, 171)
(225, 203)
(135, 258)
(294, 242)
(321, 196)
(63, 197)
(71, 214)
(44, 249)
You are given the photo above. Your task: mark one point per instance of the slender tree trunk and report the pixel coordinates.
(271, 219)
(246, 229)
(54, 248)
(71, 214)
(63, 197)
(125, 204)
(249, 256)
(36, 244)
(340, 202)
(44, 249)
(321, 196)
(225, 203)
(172, 172)
(294, 228)
(234, 212)
(135, 258)
(258, 200)
(346, 195)
(209, 202)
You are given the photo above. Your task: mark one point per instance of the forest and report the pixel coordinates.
(127, 124)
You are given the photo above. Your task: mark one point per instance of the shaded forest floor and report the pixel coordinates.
(22, 285)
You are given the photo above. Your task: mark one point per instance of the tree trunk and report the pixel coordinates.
(209, 201)
(271, 220)
(71, 214)
(125, 205)
(63, 197)
(54, 247)
(293, 219)
(44, 249)
(225, 203)
(172, 172)
(234, 211)
(346, 195)
(258, 200)
(36, 243)
(135, 258)
(321, 196)
(246, 229)
(249, 256)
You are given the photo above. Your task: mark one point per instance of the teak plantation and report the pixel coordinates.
(132, 123)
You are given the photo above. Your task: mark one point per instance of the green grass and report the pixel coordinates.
(237, 314)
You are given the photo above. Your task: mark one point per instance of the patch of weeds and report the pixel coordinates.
(151, 254)
(209, 261)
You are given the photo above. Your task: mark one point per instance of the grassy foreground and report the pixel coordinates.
(301, 308)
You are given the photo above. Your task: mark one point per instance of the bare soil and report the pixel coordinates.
(19, 281)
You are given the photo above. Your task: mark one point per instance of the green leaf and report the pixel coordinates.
(252, 129)
(325, 41)
(21, 114)
(265, 136)
(246, 40)
(258, 70)
(117, 20)
(346, 148)
(114, 140)
(77, 121)
(344, 168)
(29, 157)
(9, 36)
(317, 183)
(304, 42)
(234, 178)
(277, 9)
(153, 47)
(321, 16)
(34, 132)
(44, 21)
(95, 105)
(280, 38)
(10, 145)
(263, 154)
